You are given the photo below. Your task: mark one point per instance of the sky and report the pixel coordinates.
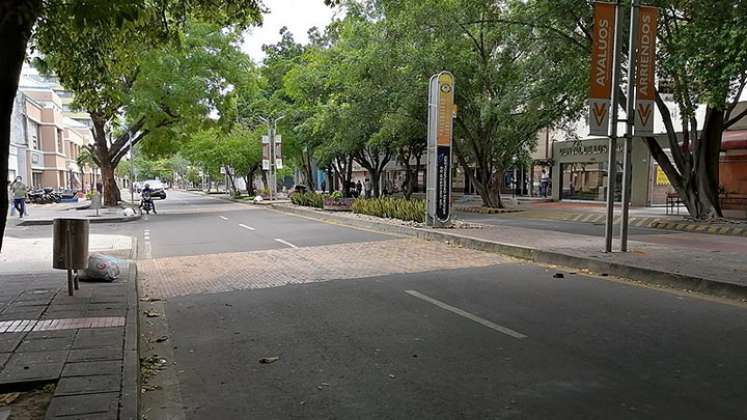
(297, 15)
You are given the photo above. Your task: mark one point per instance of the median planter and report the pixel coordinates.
(338, 204)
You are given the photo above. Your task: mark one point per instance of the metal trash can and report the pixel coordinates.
(70, 248)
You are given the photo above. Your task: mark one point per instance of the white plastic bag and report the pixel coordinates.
(100, 267)
(128, 212)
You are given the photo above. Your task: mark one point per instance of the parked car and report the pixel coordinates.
(157, 188)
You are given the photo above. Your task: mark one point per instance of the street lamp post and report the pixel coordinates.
(272, 127)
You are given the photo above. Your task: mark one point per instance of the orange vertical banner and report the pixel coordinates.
(645, 71)
(603, 45)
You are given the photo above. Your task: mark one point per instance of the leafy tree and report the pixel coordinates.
(701, 54)
(98, 29)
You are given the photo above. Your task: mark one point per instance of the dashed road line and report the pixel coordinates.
(247, 227)
(465, 314)
(147, 248)
(285, 243)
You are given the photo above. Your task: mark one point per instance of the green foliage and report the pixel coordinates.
(391, 208)
(308, 199)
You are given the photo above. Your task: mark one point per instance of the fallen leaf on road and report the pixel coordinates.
(7, 399)
(151, 314)
(558, 276)
(268, 360)
(391, 375)
(161, 339)
(150, 300)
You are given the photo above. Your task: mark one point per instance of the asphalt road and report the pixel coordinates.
(503, 341)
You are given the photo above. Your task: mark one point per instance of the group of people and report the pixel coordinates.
(357, 189)
(17, 192)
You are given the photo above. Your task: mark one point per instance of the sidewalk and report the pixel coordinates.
(84, 344)
(718, 273)
(44, 214)
(594, 212)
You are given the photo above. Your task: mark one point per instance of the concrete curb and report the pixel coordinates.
(640, 274)
(129, 401)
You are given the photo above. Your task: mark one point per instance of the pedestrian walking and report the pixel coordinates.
(358, 188)
(544, 183)
(324, 186)
(19, 191)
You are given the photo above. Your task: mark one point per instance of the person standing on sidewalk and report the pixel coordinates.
(544, 183)
(19, 190)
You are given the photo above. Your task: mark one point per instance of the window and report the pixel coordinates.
(32, 131)
(60, 148)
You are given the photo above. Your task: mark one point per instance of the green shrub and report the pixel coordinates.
(308, 199)
(391, 208)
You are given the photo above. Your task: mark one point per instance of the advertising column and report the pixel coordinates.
(441, 111)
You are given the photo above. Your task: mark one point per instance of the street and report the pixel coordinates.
(357, 324)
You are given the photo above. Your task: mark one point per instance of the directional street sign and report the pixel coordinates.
(601, 68)
(645, 71)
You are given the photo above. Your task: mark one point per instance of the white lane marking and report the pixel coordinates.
(223, 217)
(147, 248)
(285, 243)
(246, 227)
(481, 321)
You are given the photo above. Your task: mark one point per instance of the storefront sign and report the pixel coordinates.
(440, 131)
(645, 71)
(603, 46)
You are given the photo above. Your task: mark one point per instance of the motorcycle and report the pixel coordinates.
(146, 203)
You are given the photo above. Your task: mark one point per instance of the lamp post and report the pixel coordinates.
(272, 127)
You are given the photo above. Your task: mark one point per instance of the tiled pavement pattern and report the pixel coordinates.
(26, 325)
(85, 359)
(181, 276)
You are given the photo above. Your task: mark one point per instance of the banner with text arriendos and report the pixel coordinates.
(645, 71)
(603, 45)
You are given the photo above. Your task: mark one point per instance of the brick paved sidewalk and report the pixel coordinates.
(652, 217)
(86, 343)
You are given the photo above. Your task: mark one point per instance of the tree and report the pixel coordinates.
(701, 54)
(238, 152)
(508, 85)
(102, 23)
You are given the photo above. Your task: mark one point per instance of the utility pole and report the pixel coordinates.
(132, 166)
(612, 147)
(629, 122)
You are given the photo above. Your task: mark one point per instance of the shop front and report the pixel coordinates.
(580, 171)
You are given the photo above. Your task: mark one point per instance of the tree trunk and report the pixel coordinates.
(265, 182)
(330, 179)
(308, 172)
(112, 195)
(231, 180)
(17, 17)
(249, 179)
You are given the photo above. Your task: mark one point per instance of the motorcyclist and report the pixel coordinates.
(145, 195)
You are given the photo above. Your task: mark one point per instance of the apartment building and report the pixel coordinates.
(45, 142)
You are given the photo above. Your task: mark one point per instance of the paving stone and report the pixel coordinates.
(4, 358)
(107, 313)
(93, 355)
(99, 337)
(73, 385)
(87, 406)
(25, 314)
(34, 357)
(35, 335)
(13, 373)
(77, 313)
(45, 344)
(9, 341)
(92, 368)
